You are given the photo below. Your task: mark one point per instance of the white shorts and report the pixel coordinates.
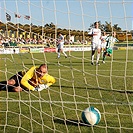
(61, 45)
(95, 46)
(103, 45)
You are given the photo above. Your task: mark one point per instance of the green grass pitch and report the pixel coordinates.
(108, 87)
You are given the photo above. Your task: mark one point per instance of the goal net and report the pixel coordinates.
(28, 37)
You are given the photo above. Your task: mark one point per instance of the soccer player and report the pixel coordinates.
(96, 42)
(109, 45)
(60, 45)
(35, 79)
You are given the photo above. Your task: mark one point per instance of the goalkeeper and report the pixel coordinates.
(109, 45)
(35, 79)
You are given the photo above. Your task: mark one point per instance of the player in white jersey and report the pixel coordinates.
(60, 45)
(109, 45)
(95, 43)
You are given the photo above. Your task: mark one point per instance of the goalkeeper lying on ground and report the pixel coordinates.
(35, 79)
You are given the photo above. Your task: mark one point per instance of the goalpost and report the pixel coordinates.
(29, 29)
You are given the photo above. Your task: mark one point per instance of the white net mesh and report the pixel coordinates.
(28, 30)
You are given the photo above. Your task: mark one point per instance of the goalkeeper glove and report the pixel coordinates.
(36, 88)
(41, 87)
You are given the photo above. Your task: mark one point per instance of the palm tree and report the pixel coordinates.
(116, 28)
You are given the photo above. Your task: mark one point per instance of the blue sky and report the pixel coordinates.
(70, 14)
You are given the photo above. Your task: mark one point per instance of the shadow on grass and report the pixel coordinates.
(71, 122)
(96, 88)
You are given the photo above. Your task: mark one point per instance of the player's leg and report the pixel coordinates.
(103, 49)
(109, 55)
(17, 89)
(58, 51)
(98, 53)
(11, 81)
(92, 53)
(104, 56)
(98, 56)
(92, 57)
(17, 86)
(13, 84)
(7, 85)
(62, 49)
(3, 85)
(64, 53)
(58, 56)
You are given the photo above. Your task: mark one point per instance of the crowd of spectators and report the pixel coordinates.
(7, 41)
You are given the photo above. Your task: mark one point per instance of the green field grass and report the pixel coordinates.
(108, 87)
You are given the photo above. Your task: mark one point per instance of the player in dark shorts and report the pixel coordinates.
(35, 79)
(14, 81)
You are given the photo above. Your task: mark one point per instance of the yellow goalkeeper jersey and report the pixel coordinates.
(30, 75)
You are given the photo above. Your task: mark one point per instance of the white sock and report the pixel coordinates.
(64, 53)
(98, 56)
(58, 54)
(92, 58)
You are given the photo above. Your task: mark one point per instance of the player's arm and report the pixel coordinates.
(26, 78)
(90, 33)
(50, 80)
